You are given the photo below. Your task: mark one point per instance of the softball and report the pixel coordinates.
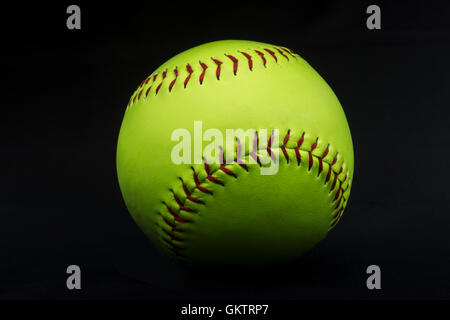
(235, 153)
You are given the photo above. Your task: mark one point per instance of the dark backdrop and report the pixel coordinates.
(64, 95)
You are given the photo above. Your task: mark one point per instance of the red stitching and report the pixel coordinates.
(239, 155)
(249, 58)
(160, 84)
(210, 177)
(328, 175)
(137, 95)
(313, 146)
(272, 54)
(283, 147)
(202, 75)
(281, 52)
(321, 160)
(235, 63)
(334, 183)
(190, 71)
(181, 204)
(146, 92)
(219, 63)
(197, 183)
(338, 197)
(222, 165)
(188, 193)
(173, 81)
(289, 52)
(335, 159)
(338, 190)
(253, 154)
(269, 148)
(297, 149)
(262, 57)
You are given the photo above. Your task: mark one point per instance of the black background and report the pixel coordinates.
(64, 94)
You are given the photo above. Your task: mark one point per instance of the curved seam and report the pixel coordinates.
(138, 94)
(340, 199)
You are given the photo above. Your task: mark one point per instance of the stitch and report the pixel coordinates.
(334, 183)
(219, 63)
(286, 50)
(172, 236)
(227, 171)
(346, 188)
(320, 167)
(210, 177)
(339, 190)
(297, 150)
(160, 84)
(342, 195)
(262, 57)
(321, 160)
(340, 200)
(253, 154)
(173, 81)
(175, 215)
(155, 76)
(281, 52)
(269, 148)
(272, 54)
(325, 153)
(313, 146)
(222, 164)
(269, 144)
(197, 183)
(184, 187)
(338, 204)
(237, 159)
(194, 199)
(283, 147)
(180, 203)
(169, 223)
(188, 193)
(345, 178)
(335, 159)
(328, 175)
(202, 75)
(238, 151)
(337, 213)
(249, 58)
(176, 248)
(148, 79)
(235, 62)
(148, 89)
(190, 71)
(134, 97)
